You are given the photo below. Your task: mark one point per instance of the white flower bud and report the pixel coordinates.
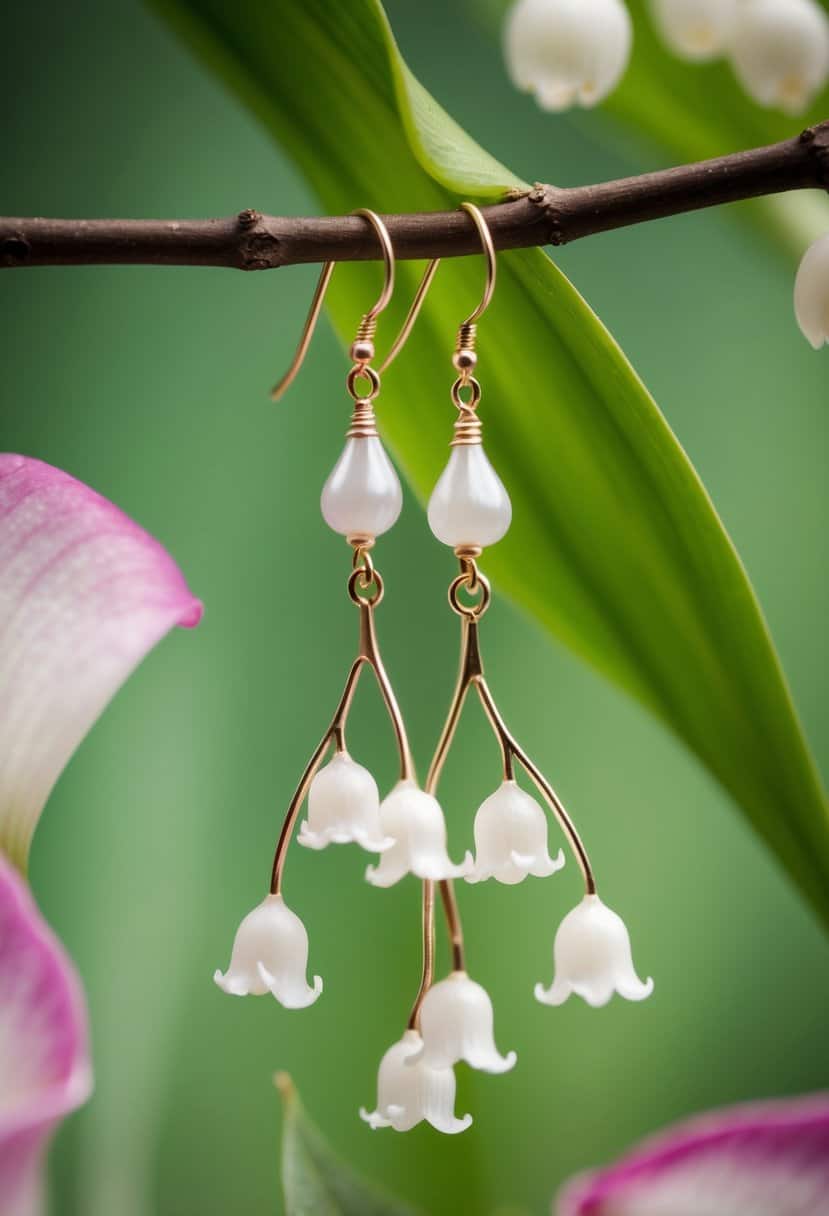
(408, 1094)
(343, 806)
(456, 1023)
(593, 958)
(511, 838)
(567, 51)
(414, 820)
(780, 51)
(811, 293)
(696, 29)
(270, 954)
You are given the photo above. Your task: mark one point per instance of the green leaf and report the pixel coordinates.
(315, 1181)
(615, 546)
(696, 111)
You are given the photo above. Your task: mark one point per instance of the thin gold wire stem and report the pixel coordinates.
(412, 315)
(511, 748)
(368, 655)
(428, 973)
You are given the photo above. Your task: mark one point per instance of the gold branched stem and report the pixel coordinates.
(368, 655)
(428, 972)
(510, 748)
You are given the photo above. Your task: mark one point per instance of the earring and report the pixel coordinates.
(470, 509)
(361, 500)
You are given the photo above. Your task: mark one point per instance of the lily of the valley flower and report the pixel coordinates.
(456, 1023)
(270, 954)
(593, 958)
(44, 1058)
(344, 807)
(811, 293)
(696, 29)
(84, 595)
(414, 820)
(408, 1094)
(762, 1159)
(511, 838)
(567, 52)
(780, 51)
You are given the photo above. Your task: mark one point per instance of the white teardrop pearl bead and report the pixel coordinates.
(362, 496)
(469, 504)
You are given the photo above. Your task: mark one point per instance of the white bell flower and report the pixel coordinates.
(511, 838)
(696, 29)
(567, 52)
(593, 958)
(780, 52)
(415, 822)
(408, 1094)
(343, 806)
(456, 1023)
(270, 954)
(811, 293)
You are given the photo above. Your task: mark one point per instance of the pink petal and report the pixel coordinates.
(44, 1061)
(84, 594)
(761, 1159)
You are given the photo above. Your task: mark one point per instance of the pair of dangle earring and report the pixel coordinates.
(452, 1019)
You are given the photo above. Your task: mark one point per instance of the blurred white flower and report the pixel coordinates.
(270, 954)
(593, 958)
(511, 838)
(408, 1094)
(780, 52)
(811, 293)
(567, 52)
(415, 822)
(456, 1023)
(696, 29)
(343, 806)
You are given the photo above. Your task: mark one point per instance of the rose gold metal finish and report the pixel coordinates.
(368, 324)
(471, 675)
(428, 973)
(412, 315)
(368, 655)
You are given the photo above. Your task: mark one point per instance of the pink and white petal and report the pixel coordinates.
(765, 1158)
(44, 1058)
(85, 593)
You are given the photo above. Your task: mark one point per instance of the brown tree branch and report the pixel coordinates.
(546, 215)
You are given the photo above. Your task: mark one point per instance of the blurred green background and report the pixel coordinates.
(151, 385)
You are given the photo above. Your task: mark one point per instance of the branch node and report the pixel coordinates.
(548, 200)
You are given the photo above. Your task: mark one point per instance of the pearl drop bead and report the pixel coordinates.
(469, 504)
(362, 496)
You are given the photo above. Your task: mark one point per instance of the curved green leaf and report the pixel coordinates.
(316, 1182)
(696, 111)
(615, 546)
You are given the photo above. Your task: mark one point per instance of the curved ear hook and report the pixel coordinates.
(319, 296)
(429, 274)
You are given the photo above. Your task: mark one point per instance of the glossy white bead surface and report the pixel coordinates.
(696, 29)
(811, 293)
(780, 52)
(414, 820)
(511, 838)
(270, 954)
(567, 52)
(362, 496)
(343, 807)
(593, 958)
(456, 1023)
(469, 504)
(408, 1094)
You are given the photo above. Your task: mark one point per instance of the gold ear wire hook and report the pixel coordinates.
(369, 320)
(426, 282)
